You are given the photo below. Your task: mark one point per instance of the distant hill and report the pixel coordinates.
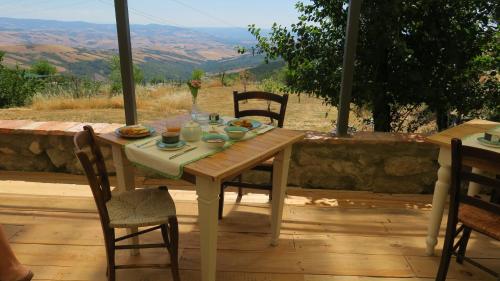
(83, 48)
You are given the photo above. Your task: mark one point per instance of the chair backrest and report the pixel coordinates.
(462, 158)
(90, 156)
(270, 97)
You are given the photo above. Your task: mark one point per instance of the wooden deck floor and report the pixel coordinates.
(326, 236)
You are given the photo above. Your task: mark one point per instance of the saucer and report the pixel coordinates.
(486, 142)
(170, 147)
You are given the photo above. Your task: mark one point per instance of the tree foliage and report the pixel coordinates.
(410, 54)
(115, 75)
(15, 87)
(43, 68)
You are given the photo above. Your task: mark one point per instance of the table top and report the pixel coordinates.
(475, 126)
(232, 161)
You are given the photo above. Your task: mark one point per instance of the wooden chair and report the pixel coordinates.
(138, 208)
(267, 166)
(472, 212)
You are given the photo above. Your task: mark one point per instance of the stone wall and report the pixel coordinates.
(393, 163)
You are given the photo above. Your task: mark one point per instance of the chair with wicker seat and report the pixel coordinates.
(472, 212)
(151, 207)
(266, 166)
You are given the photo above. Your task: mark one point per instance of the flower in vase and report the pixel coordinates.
(194, 85)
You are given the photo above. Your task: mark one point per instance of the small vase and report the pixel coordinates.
(194, 108)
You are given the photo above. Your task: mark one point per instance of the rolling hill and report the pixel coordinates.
(83, 48)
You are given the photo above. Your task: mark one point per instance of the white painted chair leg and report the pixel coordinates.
(125, 177)
(208, 204)
(280, 178)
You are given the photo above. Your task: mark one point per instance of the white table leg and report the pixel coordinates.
(474, 188)
(280, 178)
(125, 173)
(439, 200)
(125, 177)
(208, 204)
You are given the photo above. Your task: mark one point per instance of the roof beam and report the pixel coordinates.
(351, 41)
(126, 62)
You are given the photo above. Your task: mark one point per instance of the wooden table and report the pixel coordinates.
(443, 139)
(210, 172)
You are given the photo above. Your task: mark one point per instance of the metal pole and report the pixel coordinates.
(352, 31)
(126, 63)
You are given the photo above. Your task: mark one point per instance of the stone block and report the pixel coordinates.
(6, 150)
(387, 184)
(35, 148)
(59, 158)
(408, 165)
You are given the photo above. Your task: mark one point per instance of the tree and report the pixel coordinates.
(115, 75)
(15, 87)
(43, 68)
(409, 53)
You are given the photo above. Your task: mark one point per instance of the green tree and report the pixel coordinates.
(409, 53)
(43, 68)
(115, 75)
(15, 87)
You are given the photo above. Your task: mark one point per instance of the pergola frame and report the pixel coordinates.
(126, 61)
(127, 68)
(351, 42)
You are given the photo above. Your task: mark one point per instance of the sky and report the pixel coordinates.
(189, 13)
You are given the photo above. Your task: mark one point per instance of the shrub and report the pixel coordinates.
(16, 88)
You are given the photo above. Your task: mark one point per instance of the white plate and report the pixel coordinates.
(170, 147)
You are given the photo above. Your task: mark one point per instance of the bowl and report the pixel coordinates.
(170, 137)
(235, 132)
(215, 141)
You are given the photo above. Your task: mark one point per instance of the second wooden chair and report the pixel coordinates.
(472, 212)
(275, 117)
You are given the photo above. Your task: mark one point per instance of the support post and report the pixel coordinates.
(352, 31)
(126, 62)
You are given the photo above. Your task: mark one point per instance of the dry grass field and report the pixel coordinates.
(305, 113)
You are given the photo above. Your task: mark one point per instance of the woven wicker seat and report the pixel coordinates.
(480, 220)
(142, 207)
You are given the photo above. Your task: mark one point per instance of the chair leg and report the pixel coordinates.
(240, 189)
(271, 191)
(446, 255)
(110, 254)
(221, 201)
(463, 244)
(171, 237)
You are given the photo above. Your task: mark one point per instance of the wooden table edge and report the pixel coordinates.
(225, 173)
(248, 164)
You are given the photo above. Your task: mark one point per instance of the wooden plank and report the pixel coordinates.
(479, 247)
(55, 178)
(11, 230)
(428, 266)
(326, 263)
(56, 203)
(365, 278)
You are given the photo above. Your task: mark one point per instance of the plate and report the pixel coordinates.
(151, 131)
(255, 124)
(170, 147)
(485, 142)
